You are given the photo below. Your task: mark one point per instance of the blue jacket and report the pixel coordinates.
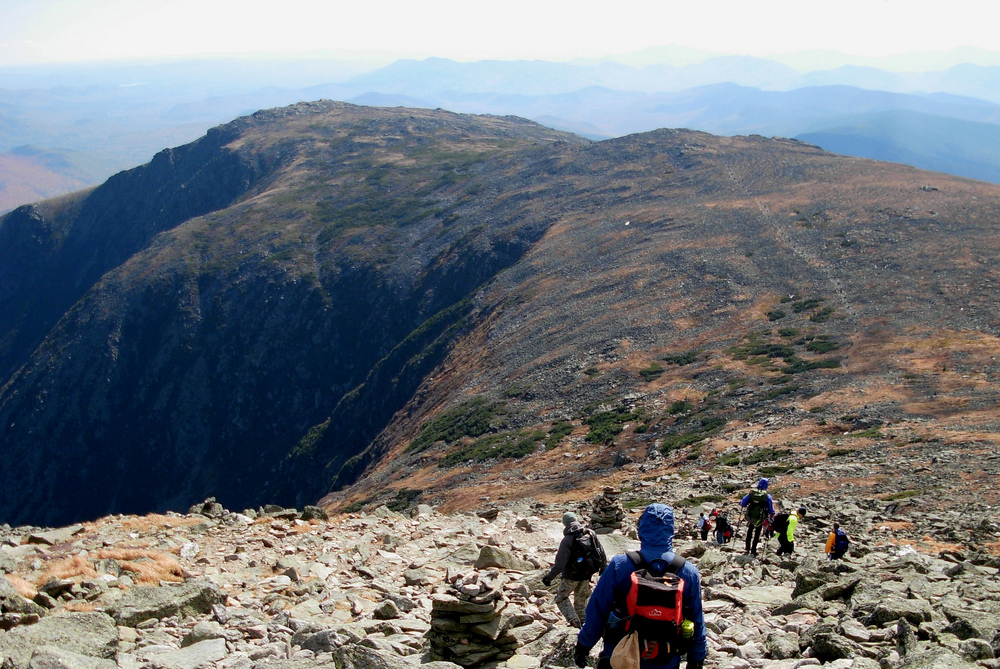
(656, 534)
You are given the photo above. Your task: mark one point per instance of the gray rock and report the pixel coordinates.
(209, 508)
(185, 599)
(387, 610)
(314, 513)
(492, 556)
(892, 609)
(361, 657)
(936, 658)
(782, 645)
(974, 650)
(906, 639)
(196, 656)
(807, 580)
(53, 537)
(203, 631)
(831, 646)
(11, 601)
(52, 657)
(91, 634)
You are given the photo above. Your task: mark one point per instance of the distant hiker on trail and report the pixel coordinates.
(705, 525)
(758, 510)
(723, 530)
(670, 625)
(784, 527)
(579, 557)
(837, 543)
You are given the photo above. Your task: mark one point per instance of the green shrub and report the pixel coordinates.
(559, 430)
(870, 433)
(698, 500)
(775, 315)
(822, 316)
(765, 455)
(905, 494)
(822, 346)
(490, 447)
(817, 409)
(405, 497)
(680, 406)
(654, 371)
(705, 428)
(797, 365)
(682, 359)
(837, 452)
(606, 425)
(805, 305)
(788, 333)
(469, 419)
(730, 460)
(772, 470)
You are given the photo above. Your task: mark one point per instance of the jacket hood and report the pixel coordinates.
(656, 532)
(573, 528)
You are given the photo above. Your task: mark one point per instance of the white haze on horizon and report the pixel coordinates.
(56, 31)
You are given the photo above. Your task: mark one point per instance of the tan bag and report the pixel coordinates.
(626, 653)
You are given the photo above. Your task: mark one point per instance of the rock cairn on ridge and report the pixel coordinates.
(608, 514)
(467, 622)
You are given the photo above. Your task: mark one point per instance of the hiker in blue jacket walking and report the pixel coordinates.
(656, 536)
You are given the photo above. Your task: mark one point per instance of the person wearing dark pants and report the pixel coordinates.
(786, 539)
(758, 508)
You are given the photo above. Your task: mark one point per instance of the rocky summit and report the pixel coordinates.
(397, 305)
(277, 588)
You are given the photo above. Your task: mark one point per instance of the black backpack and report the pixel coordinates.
(586, 556)
(780, 524)
(654, 608)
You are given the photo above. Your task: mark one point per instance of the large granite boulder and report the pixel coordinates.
(184, 599)
(90, 634)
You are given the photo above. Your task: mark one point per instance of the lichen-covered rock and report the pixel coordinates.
(91, 634)
(184, 599)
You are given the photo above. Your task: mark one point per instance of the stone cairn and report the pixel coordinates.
(608, 514)
(468, 626)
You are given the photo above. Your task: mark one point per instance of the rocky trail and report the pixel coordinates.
(287, 589)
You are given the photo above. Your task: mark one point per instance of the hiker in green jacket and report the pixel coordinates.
(786, 534)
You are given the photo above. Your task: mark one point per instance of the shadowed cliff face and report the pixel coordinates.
(213, 336)
(338, 274)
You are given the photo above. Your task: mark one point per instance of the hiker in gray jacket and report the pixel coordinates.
(579, 557)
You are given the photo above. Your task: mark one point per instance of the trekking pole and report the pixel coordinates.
(736, 530)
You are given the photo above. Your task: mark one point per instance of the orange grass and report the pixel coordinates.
(23, 587)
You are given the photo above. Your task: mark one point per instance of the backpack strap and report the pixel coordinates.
(675, 565)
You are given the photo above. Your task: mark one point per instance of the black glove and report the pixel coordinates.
(696, 665)
(580, 654)
(547, 581)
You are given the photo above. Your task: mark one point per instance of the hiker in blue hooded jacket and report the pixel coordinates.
(656, 536)
(758, 510)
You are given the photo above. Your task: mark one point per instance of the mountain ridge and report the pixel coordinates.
(386, 266)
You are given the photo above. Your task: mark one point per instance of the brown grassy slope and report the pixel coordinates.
(673, 241)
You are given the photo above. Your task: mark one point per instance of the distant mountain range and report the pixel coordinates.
(112, 117)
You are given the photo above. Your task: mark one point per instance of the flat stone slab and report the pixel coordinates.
(195, 656)
(53, 537)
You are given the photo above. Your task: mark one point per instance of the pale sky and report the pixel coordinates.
(34, 31)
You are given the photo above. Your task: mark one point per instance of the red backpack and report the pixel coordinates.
(654, 608)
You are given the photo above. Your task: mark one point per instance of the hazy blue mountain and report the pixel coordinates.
(964, 148)
(115, 116)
